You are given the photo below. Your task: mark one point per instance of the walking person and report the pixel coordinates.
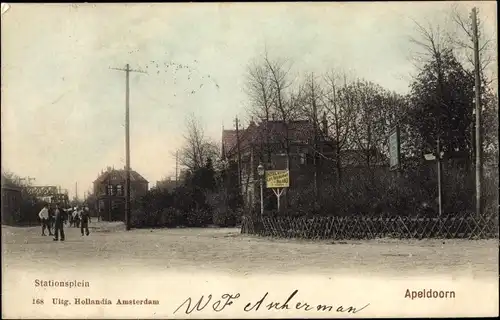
(70, 216)
(44, 217)
(76, 218)
(50, 224)
(84, 221)
(58, 223)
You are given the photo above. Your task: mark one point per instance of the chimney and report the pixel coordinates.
(325, 124)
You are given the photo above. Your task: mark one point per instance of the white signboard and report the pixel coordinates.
(394, 151)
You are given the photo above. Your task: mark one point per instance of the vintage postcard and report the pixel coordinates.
(249, 160)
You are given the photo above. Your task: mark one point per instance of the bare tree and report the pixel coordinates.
(12, 178)
(259, 88)
(312, 102)
(285, 103)
(338, 112)
(369, 122)
(433, 42)
(197, 147)
(463, 40)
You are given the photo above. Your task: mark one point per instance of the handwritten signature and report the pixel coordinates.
(226, 300)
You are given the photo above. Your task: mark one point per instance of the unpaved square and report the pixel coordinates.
(226, 250)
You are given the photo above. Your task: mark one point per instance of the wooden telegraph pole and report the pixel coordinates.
(127, 142)
(176, 168)
(478, 142)
(440, 175)
(315, 137)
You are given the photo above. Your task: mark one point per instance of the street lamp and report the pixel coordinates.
(261, 171)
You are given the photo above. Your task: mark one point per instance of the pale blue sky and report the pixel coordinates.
(63, 108)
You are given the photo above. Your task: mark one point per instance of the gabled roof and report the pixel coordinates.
(256, 134)
(134, 176)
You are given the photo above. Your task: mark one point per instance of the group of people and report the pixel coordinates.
(75, 217)
(55, 218)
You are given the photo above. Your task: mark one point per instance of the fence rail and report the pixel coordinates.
(464, 226)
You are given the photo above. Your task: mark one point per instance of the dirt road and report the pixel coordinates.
(226, 250)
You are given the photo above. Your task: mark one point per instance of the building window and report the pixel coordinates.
(119, 190)
(110, 190)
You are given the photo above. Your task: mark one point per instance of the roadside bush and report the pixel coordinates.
(167, 217)
(138, 218)
(172, 217)
(198, 218)
(490, 193)
(225, 217)
(412, 192)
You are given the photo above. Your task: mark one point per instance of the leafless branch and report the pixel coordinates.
(197, 147)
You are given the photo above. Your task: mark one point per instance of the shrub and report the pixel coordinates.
(412, 192)
(138, 218)
(172, 217)
(226, 217)
(198, 218)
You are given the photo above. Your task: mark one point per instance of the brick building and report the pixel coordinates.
(267, 143)
(109, 191)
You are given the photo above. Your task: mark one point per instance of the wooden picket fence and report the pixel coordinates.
(464, 226)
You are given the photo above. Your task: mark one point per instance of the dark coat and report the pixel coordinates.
(59, 215)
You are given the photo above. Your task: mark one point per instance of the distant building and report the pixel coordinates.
(109, 190)
(11, 203)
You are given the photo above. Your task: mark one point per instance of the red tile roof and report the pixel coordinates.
(255, 134)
